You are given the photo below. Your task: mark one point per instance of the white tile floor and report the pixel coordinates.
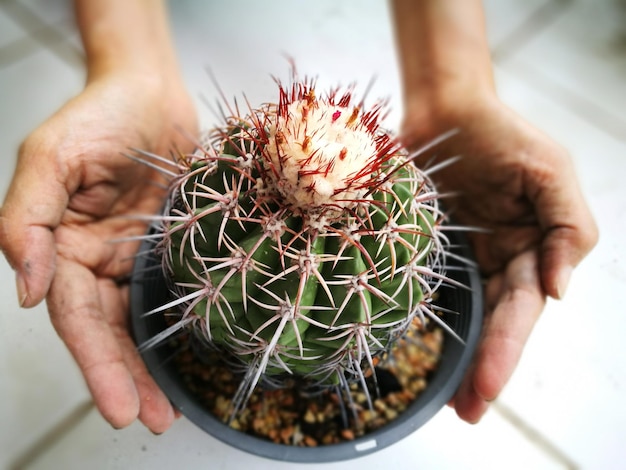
(560, 63)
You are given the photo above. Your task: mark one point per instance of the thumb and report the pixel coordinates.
(570, 231)
(33, 208)
(563, 247)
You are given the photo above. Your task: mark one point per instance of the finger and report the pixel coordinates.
(33, 207)
(493, 289)
(495, 248)
(469, 406)
(155, 410)
(562, 250)
(76, 313)
(506, 331)
(570, 230)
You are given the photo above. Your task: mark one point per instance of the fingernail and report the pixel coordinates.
(22, 291)
(562, 281)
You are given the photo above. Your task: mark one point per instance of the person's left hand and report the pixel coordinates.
(521, 188)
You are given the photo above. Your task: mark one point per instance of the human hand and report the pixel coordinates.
(70, 192)
(521, 187)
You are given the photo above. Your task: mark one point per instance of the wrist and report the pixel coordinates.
(444, 56)
(447, 85)
(130, 36)
(442, 106)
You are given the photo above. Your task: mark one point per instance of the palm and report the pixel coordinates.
(495, 182)
(100, 215)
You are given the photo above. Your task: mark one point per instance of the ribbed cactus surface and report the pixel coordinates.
(301, 239)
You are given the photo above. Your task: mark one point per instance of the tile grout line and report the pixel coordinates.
(48, 36)
(50, 438)
(504, 56)
(534, 436)
(536, 22)
(592, 113)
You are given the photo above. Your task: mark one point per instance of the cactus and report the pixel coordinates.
(301, 240)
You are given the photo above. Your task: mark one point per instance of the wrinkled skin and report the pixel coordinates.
(521, 187)
(71, 189)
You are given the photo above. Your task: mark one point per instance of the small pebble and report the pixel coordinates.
(284, 416)
(347, 434)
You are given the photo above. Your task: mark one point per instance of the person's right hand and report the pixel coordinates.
(71, 188)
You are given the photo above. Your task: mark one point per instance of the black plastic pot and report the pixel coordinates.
(149, 290)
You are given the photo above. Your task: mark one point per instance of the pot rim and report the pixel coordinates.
(148, 288)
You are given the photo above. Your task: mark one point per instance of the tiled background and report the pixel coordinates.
(559, 63)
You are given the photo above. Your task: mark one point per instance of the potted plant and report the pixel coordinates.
(300, 254)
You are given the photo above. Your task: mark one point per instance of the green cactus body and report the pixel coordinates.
(303, 239)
